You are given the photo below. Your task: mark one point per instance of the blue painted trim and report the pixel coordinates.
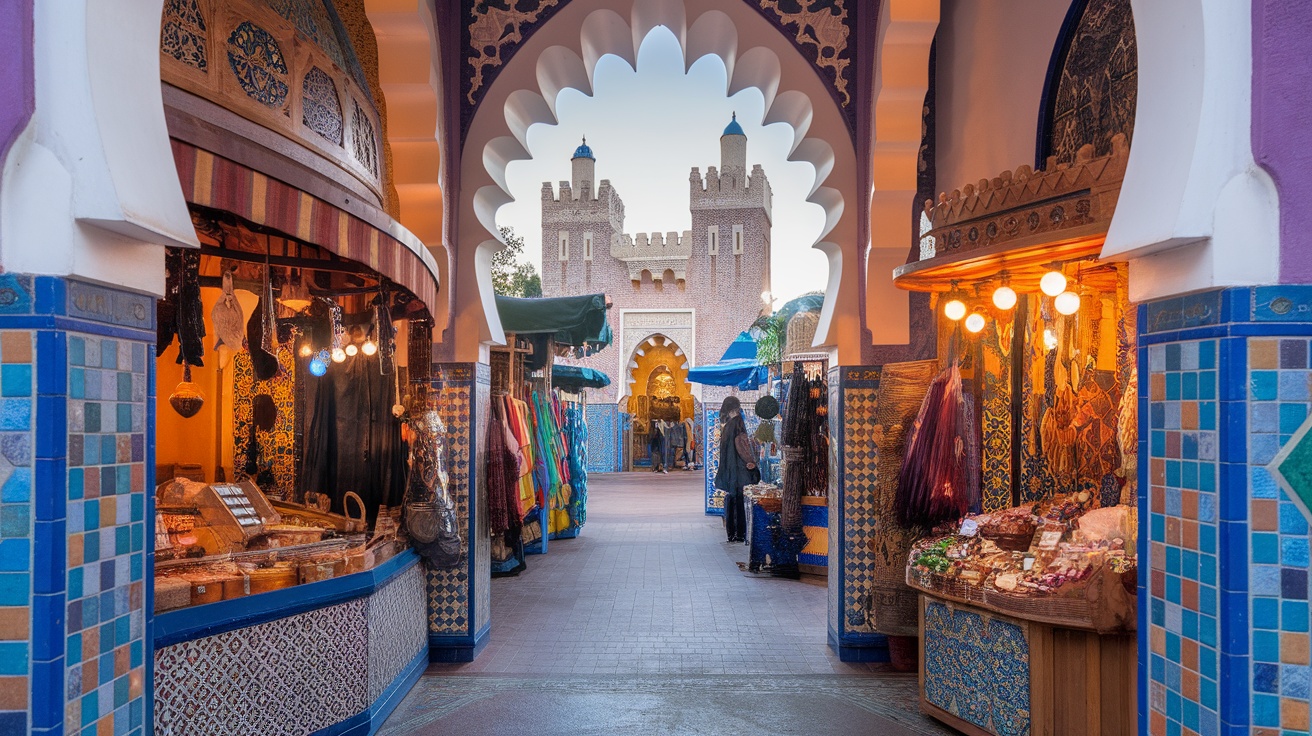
(187, 624)
(69, 324)
(368, 721)
(874, 649)
(1053, 80)
(459, 648)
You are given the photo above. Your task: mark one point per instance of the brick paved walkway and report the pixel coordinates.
(651, 589)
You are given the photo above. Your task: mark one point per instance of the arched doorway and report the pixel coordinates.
(658, 392)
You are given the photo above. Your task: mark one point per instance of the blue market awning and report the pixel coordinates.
(743, 347)
(575, 376)
(746, 374)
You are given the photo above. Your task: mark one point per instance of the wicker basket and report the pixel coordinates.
(801, 333)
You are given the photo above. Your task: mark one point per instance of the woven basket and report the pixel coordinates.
(801, 333)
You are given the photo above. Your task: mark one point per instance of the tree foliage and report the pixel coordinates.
(512, 276)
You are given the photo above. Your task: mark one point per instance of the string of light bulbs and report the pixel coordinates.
(1052, 284)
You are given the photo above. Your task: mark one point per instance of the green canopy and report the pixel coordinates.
(570, 320)
(574, 376)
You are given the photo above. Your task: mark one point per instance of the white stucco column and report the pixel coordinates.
(91, 188)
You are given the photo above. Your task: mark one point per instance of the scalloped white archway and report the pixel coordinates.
(564, 54)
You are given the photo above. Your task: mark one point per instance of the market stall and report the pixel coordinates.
(282, 457)
(537, 456)
(1014, 507)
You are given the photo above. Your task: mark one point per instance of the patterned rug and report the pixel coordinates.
(662, 704)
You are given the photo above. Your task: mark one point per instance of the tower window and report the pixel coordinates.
(713, 240)
(564, 245)
(737, 240)
(587, 246)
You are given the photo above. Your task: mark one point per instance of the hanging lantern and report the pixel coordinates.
(954, 310)
(306, 350)
(1004, 297)
(338, 355)
(294, 294)
(1053, 283)
(369, 347)
(352, 350)
(186, 399)
(1068, 302)
(319, 365)
(975, 322)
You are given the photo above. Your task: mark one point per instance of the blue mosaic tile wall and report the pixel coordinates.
(603, 422)
(1183, 635)
(76, 402)
(106, 548)
(1224, 612)
(854, 461)
(17, 415)
(977, 667)
(1278, 405)
(459, 609)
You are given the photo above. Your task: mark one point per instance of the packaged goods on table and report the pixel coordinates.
(1077, 567)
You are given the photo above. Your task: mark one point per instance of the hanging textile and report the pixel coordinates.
(180, 313)
(939, 479)
(502, 478)
(576, 433)
(352, 439)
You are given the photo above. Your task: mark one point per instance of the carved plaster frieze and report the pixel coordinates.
(1025, 203)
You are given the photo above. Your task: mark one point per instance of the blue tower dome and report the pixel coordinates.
(583, 151)
(734, 128)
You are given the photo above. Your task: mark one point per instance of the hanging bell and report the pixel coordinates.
(186, 399)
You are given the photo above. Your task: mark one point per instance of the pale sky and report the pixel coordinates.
(647, 129)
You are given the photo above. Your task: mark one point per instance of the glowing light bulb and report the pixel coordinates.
(318, 367)
(339, 355)
(352, 350)
(975, 322)
(954, 310)
(1068, 302)
(1053, 283)
(369, 347)
(305, 351)
(1004, 297)
(1049, 340)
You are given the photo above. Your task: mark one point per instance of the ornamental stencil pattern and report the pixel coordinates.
(977, 667)
(1098, 86)
(258, 63)
(823, 26)
(182, 33)
(321, 108)
(311, 19)
(362, 138)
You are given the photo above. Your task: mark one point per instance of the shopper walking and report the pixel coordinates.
(737, 467)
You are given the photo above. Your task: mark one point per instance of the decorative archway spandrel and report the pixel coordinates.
(494, 31)
(824, 32)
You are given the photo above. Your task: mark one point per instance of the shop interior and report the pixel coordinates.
(285, 414)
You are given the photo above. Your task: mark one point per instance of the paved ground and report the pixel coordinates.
(645, 624)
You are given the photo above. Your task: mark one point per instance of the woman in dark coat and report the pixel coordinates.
(737, 466)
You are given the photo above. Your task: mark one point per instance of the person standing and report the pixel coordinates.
(737, 467)
(656, 447)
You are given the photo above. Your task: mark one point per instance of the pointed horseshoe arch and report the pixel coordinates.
(564, 54)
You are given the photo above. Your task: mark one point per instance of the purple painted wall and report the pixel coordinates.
(17, 97)
(1282, 139)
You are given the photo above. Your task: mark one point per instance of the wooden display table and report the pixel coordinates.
(989, 674)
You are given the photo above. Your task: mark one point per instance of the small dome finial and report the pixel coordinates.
(734, 128)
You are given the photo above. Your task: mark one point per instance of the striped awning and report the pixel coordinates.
(213, 181)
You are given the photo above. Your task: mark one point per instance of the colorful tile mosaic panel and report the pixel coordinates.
(603, 438)
(1279, 401)
(1183, 526)
(858, 461)
(17, 421)
(464, 399)
(108, 392)
(397, 630)
(711, 443)
(977, 667)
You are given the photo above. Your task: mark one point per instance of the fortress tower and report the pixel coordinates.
(694, 290)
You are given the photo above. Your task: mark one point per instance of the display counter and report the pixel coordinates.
(1027, 618)
(334, 656)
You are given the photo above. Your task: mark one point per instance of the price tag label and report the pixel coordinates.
(1049, 539)
(969, 527)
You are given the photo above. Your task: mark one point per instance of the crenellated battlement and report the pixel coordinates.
(567, 193)
(655, 253)
(730, 189)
